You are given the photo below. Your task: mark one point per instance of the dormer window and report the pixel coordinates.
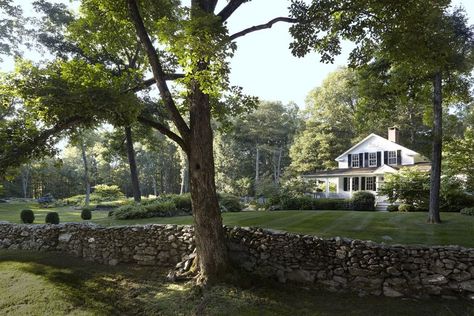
(372, 159)
(392, 157)
(355, 161)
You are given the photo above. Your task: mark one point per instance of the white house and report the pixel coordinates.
(363, 166)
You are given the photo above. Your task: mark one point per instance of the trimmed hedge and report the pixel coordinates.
(468, 211)
(86, 213)
(392, 208)
(363, 201)
(405, 208)
(305, 202)
(52, 218)
(27, 216)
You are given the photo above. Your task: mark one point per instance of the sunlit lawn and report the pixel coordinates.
(403, 228)
(54, 284)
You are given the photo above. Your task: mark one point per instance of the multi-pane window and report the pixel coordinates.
(370, 183)
(392, 157)
(355, 184)
(372, 159)
(355, 161)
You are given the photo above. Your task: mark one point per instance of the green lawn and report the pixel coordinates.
(54, 284)
(404, 228)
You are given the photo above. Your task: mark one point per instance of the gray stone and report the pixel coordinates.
(467, 286)
(389, 292)
(300, 276)
(435, 280)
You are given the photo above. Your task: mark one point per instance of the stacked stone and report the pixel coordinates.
(335, 263)
(362, 266)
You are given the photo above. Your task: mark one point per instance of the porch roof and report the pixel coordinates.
(422, 166)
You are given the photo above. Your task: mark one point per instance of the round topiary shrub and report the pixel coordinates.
(86, 213)
(392, 208)
(52, 218)
(27, 216)
(405, 208)
(363, 201)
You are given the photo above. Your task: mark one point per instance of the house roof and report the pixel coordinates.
(423, 166)
(410, 152)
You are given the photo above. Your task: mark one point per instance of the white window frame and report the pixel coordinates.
(392, 157)
(369, 184)
(353, 165)
(372, 159)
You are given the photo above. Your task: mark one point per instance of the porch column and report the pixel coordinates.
(327, 187)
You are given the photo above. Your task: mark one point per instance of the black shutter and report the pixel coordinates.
(385, 157)
(399, 157)
(349, 160)
(361, 157)
(379, 158)
(346, 182)
(356, 184)
(362, 185)
(375, 183)
(366, 160)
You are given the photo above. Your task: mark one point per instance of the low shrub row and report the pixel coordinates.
(468, 211)
(28, 217)
(361, 201)
(168, 205)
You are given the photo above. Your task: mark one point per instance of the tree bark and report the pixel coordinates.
(210, 241)
(155, 191)
(86, 173)
(435, 180)
(137, 196)
(185, 177)
(257, 163)
(197, 140)
(25, 175)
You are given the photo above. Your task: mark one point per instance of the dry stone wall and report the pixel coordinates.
(336, 263)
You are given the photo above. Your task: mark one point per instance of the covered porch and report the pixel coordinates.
(342, 183)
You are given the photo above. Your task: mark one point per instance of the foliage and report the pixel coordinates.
(405, 208)
(27, 216)
(392, 208)
(304, 202)
(409, 186)
(164, 206)
(330, 124)
(457, 157)
(468, 211)
(363, 201)
(86, 214)
(229, 203)
(108, 192)
(52, 218)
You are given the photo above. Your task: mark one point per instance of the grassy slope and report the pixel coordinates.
(50, 284)
(404, 228)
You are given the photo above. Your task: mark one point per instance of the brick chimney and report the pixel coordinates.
(394, 134)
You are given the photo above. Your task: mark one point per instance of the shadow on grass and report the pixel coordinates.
(132, 290)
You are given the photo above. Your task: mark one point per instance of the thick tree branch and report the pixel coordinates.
(267, 25)
(151, 81)
(27, 149)
(158, 73)
(230, 8)
(163, 130)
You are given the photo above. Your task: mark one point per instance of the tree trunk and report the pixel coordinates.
(185, 177)
(280, 153)
(137, 196)
(155, 191)
(435, 181)
(210, 241)
(86, 173)
(25, 175)
(257, 163)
